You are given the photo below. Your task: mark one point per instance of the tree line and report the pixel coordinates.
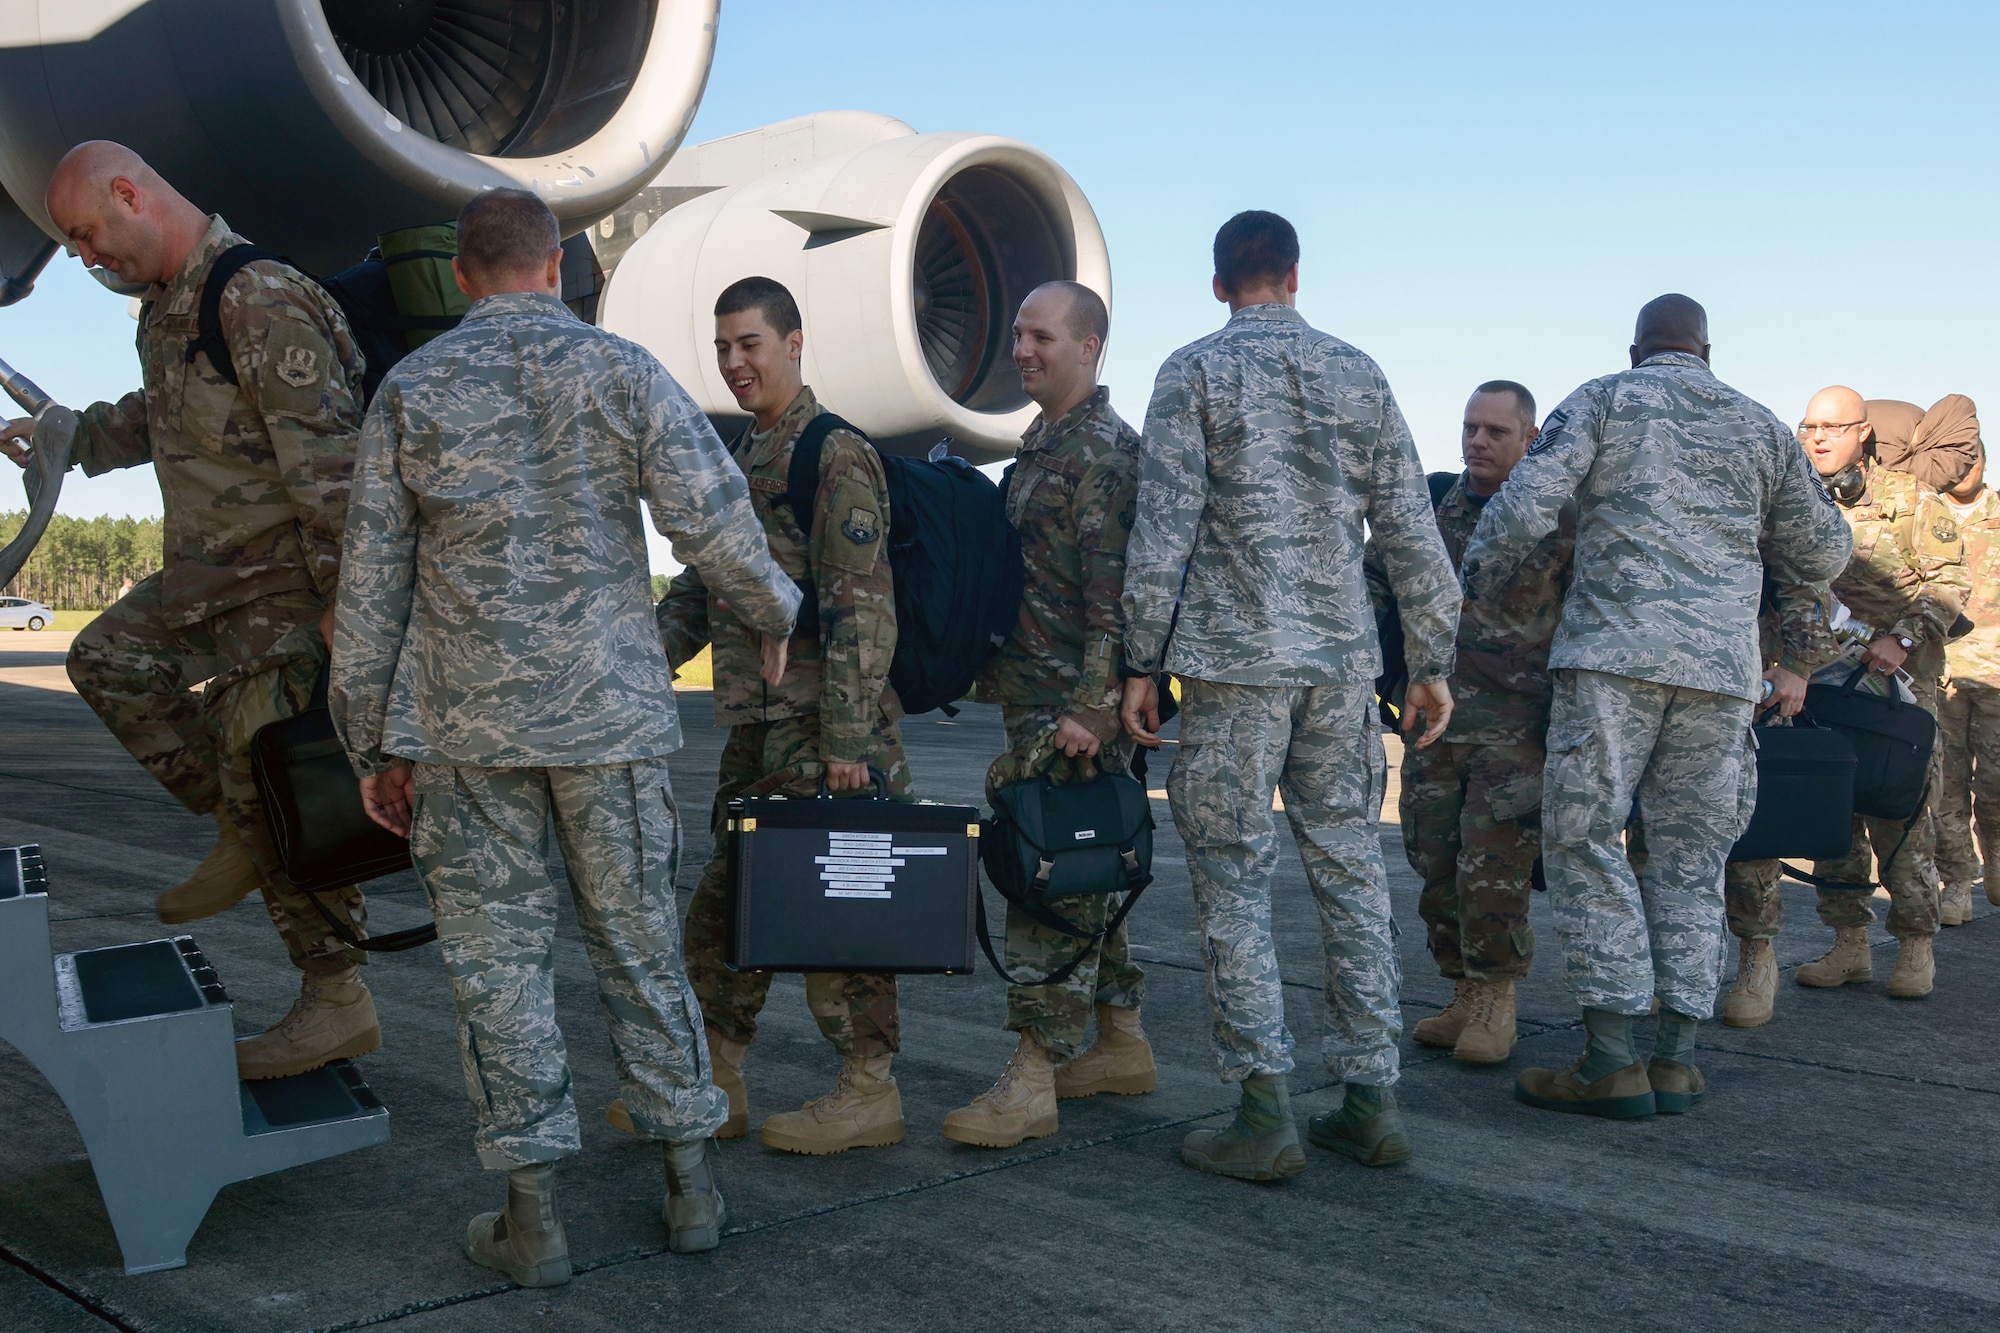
(82, 564)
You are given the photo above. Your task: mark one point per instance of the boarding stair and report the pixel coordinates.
(139, 1042)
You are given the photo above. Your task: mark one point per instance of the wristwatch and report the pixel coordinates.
(1908, 643)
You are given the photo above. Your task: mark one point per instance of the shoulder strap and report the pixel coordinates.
(208, 321)
(802, 476)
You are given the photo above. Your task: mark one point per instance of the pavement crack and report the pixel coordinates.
(65, 1290)
(90, 791)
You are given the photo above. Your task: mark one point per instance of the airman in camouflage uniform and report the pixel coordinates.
(194, 660)
(834, 703)
(1969, 712)
(1794, 640)
(1267, 447)
(1071, 494)
(1471, 804)
(496, 630)
(1906, 582)
(1676, 477)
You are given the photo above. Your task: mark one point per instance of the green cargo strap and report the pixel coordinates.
(418, 260)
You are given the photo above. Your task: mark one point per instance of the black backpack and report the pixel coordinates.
(363, 293)
(955, 558)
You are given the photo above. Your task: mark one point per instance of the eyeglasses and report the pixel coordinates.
(1808, 429)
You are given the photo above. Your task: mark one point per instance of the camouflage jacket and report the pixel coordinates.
(1268, 446)
(1976, 657)
(253, 475)
(841, 673)
(1677, 479)
(1908, 574)
(1500, 685)
(495, 604)
(1794, 627)
(1071, 494)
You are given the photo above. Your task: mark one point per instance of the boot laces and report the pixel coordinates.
(1483, 1003)
(1005, 1083)
(843, 1087)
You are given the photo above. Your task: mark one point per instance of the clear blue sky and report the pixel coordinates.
(1482, 191)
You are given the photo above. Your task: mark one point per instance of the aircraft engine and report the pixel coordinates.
(908, 253)
(312, 125)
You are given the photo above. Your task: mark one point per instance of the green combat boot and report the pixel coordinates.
(694, 1211)
(1607, 1080)
(1677, 1084)
(1261, 1143)
(526, 1242)
(1367, 1127)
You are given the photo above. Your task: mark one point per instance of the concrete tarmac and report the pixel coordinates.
(1838, 1175)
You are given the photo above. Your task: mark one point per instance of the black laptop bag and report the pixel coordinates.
(851, 885)
(1805, 795)
(1892, 744)
(312, 802)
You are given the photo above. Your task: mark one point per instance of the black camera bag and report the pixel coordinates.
(1074, 840)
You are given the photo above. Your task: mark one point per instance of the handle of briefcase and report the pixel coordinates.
(1061, 974)
(876, 775)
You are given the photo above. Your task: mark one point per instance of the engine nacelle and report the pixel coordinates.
(313, 125)
(909, 256)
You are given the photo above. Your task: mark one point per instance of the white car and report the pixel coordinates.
(20, 613)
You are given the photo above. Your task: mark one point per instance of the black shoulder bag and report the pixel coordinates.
(1892, 743)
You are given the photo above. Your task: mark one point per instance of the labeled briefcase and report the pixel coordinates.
(851, 885)
(1805, 795)
(1892, 744)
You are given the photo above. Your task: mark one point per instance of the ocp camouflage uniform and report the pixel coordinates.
(254, 483)
(1471, 802)
(834, 703)
(1071, 495)
(1793, 632)
(1675, 477)
(1267, 447)
(1908, 578)
(496, 627)
(1969, 710)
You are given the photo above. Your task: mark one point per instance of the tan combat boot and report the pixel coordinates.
(333, 1019)
(526, 1241)
(1955, 905)
(864, 1110)
(726, 1056)
(1022, 1105)
(1119, 1061)
(1443, 1028)
(225, 877)
(1849, 960)
(1755, 994)
(1916, 969)
(1992, 883)
(1488, 1035)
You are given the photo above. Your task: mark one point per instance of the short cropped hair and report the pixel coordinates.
(1087, 316)
(1254, 246)
(768, 297)
(1522, 398)
(506, 231)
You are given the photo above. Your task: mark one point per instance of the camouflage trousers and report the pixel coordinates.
(480, 844)
(1684, 756)
(856, 1011)
(1058, 1015)
(1968, 805)
(1751, 894)
(1911, 877)
(1320, 746)
(145, 678)
(1471, 818)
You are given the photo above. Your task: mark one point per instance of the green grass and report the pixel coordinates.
(698, 674)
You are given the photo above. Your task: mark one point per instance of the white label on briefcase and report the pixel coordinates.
(862, 865)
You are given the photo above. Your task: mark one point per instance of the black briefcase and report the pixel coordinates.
(1892, 744)
(851, 885)
(312, 802)
(1805, 795)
